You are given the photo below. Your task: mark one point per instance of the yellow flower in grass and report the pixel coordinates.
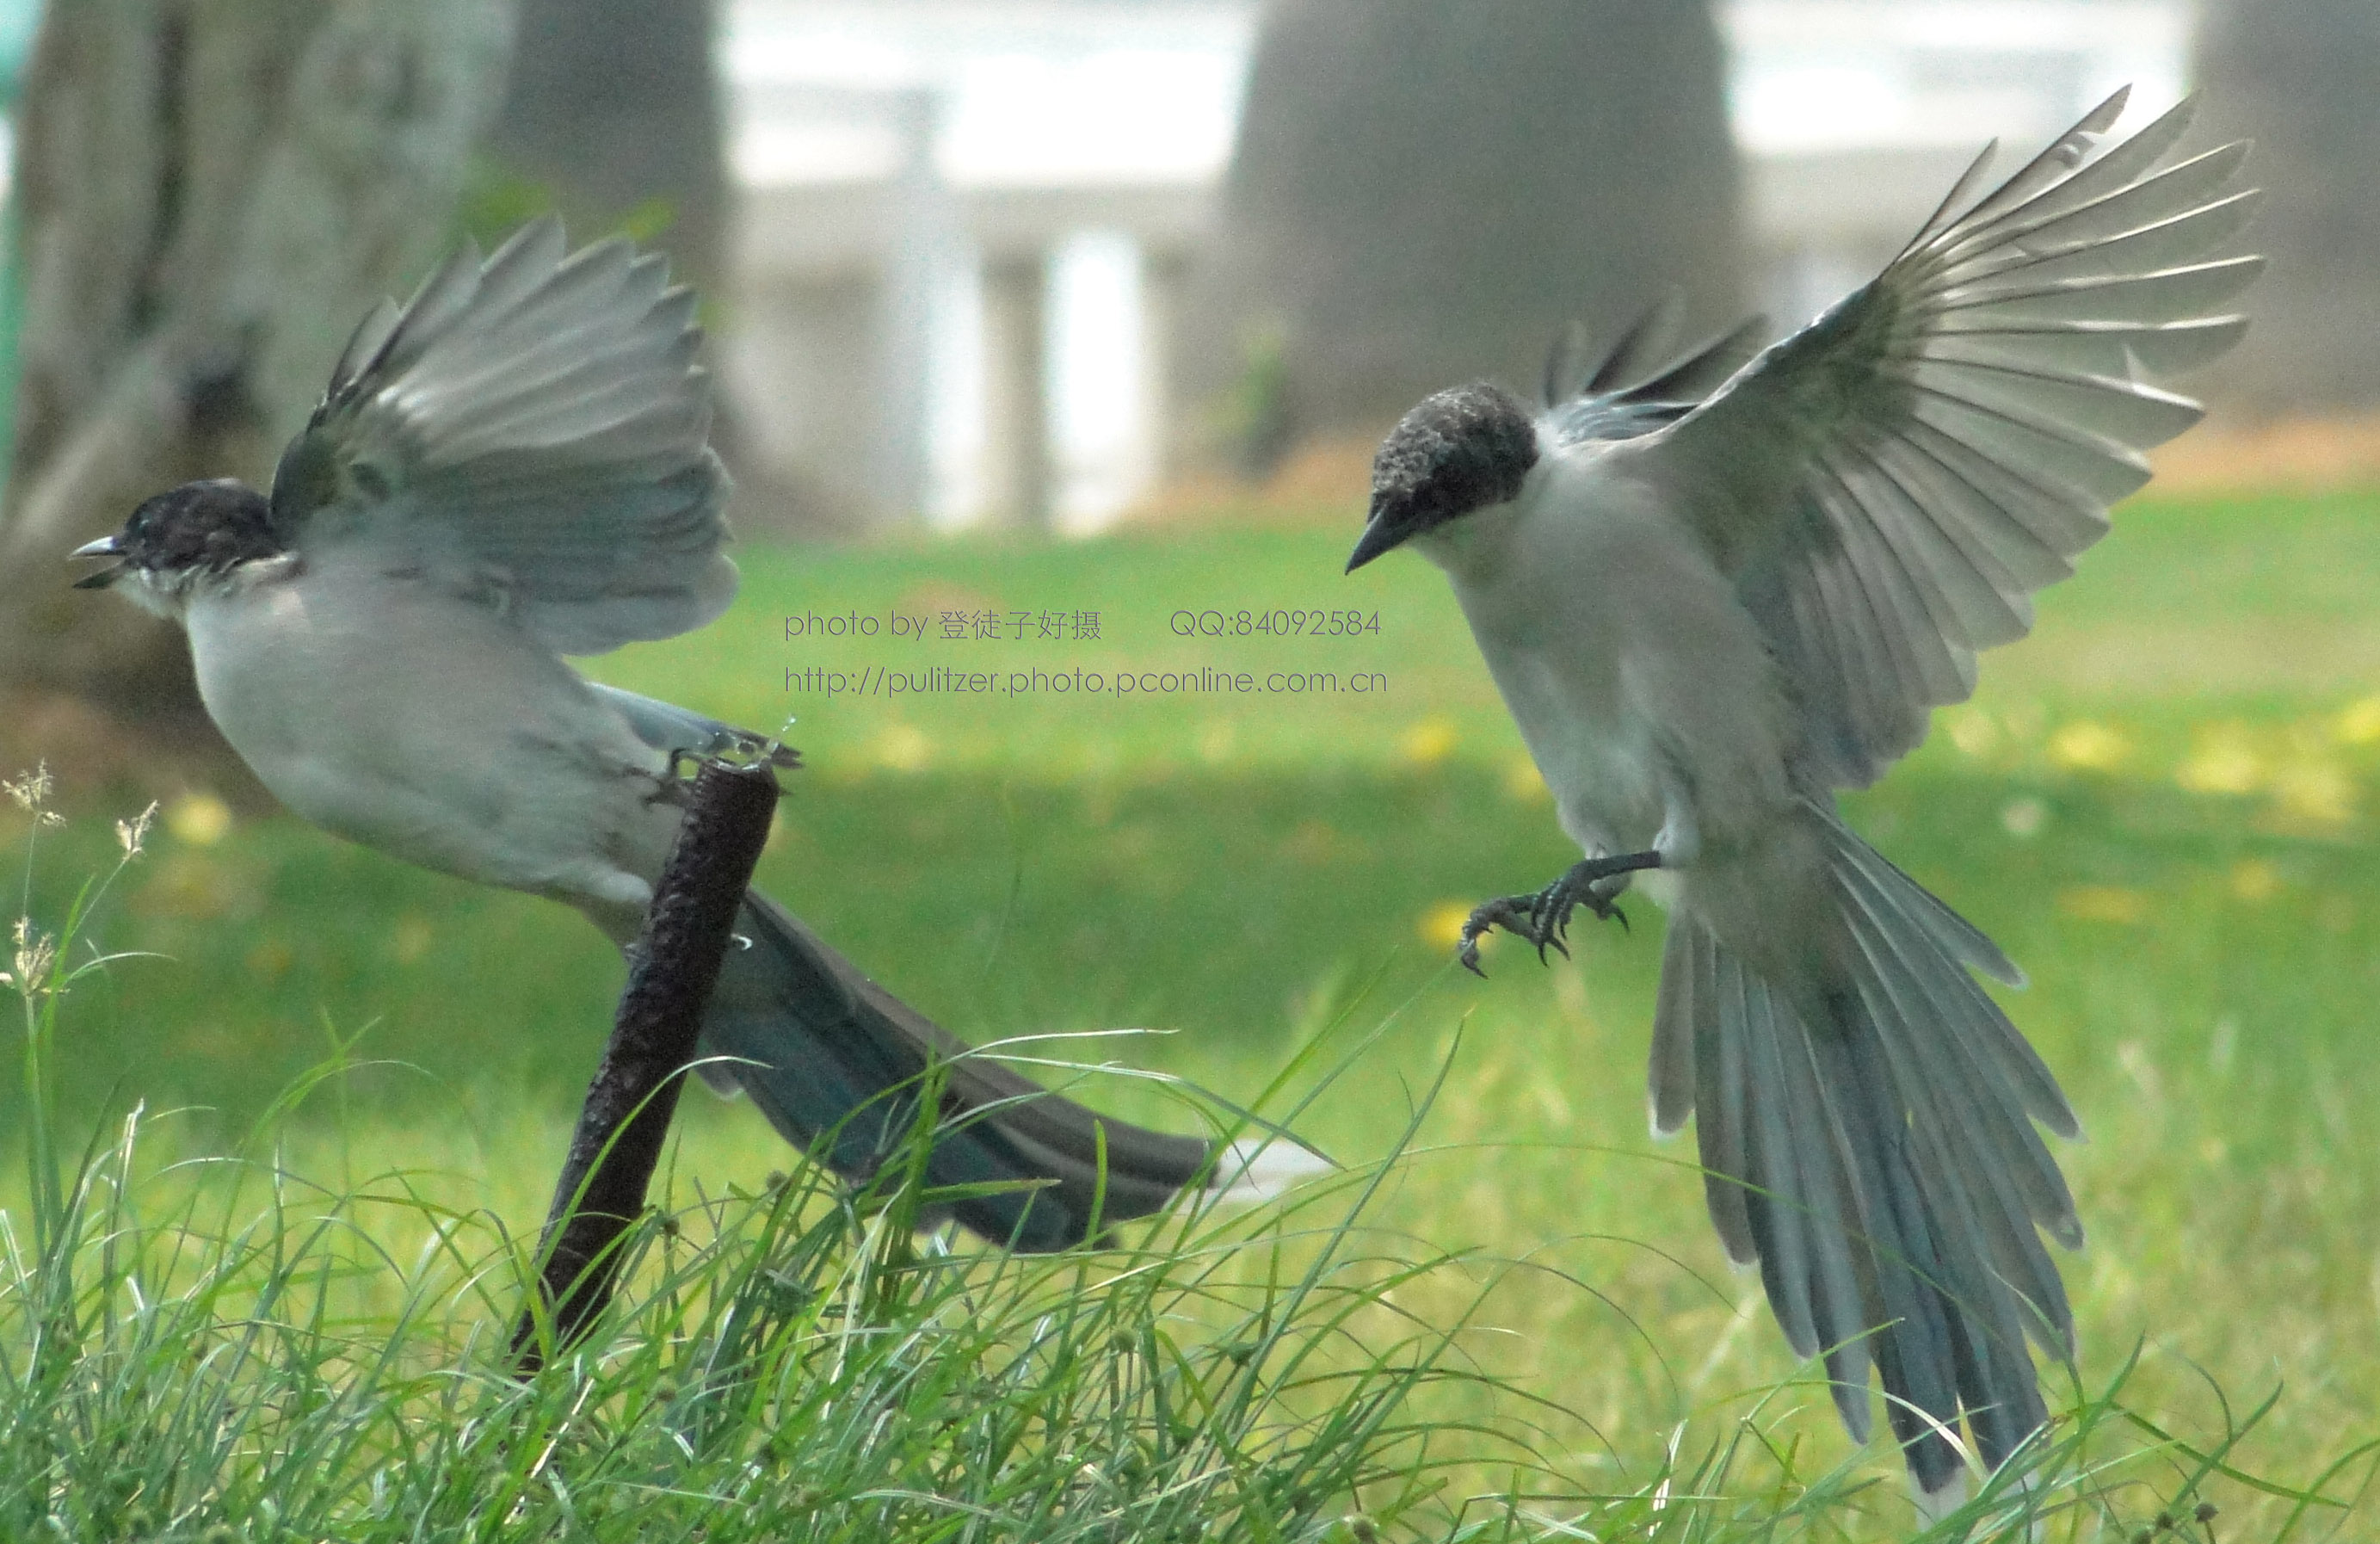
(2314, 790)
(199, 818)
(904, 747)
(2358, 723)
(1429, 742)
(2087, 744)
(2222, 760)
(1442, 925)
(2103, 902)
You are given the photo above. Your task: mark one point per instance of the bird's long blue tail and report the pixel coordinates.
(836, 1064)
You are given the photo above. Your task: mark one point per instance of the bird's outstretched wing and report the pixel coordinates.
(1888, 487)
(530, 431)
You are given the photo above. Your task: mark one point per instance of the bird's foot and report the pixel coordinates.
(1591, 883)
(736, 747)
(1511, 913)
(1544, 918)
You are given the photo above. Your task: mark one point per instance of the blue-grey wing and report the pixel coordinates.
(531, 433)
(1888, 487)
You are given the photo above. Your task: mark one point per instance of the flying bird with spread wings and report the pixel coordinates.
(510, 467)
(1713, 590)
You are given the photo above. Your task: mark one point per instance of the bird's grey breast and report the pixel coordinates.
(398, 716)
(1552, 604)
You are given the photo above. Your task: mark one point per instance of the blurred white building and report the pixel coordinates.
(963, 223)
(1854, 116)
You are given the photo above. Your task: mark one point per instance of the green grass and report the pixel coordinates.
(2161, 805)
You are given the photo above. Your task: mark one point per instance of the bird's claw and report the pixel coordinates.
(1508, 912)
(739, 747)
(1544, 918)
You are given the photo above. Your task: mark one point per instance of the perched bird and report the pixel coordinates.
(1714, 592)
(510, 467)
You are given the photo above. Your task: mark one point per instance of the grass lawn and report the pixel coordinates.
(2163, 805)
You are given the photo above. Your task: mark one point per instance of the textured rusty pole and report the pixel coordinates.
(672, 971)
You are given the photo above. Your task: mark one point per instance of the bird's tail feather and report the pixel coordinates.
(1872, 1148)
(835, 1062)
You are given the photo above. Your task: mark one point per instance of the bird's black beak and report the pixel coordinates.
(106, 546)
(1379, 536)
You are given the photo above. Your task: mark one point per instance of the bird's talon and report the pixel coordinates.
(1508, 912)
(1544, 918)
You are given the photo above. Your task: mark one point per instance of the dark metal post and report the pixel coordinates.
(672, 971)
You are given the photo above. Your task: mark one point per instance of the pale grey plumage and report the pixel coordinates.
(1712, 604)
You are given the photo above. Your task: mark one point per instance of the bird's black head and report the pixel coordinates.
(1457, 451)
(198, 529)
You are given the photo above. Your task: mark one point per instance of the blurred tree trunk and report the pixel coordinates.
(612, 109)
(614, 115)
(2302, 77)
(210, 194)
(1424, 193)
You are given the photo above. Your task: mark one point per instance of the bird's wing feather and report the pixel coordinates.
(1888, 486)
(1641, 383)
(529, 432)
